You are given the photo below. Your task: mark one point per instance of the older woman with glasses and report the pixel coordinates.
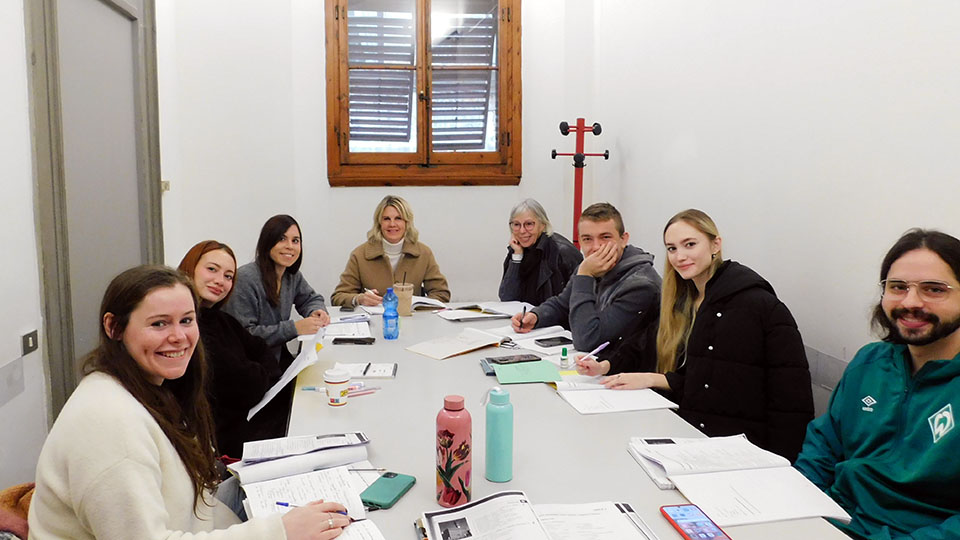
(539, 261)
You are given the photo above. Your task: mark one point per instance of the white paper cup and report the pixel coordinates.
(338, 386)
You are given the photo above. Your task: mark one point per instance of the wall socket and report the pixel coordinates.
(29, 343)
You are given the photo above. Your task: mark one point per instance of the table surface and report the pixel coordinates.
(560, 456)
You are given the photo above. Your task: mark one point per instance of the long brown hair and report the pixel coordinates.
(192, 259)
(271, 233)
(181, 409)
(679, 295)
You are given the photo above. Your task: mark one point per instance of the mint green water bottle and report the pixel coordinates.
(499, 462)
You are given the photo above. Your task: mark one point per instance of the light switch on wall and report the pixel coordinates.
(29, 343)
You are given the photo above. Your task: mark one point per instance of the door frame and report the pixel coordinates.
(61, 359)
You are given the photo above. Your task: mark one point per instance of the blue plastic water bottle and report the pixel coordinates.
(499, 460)
(391, 320)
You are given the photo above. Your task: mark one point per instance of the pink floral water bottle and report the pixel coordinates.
(454, 440)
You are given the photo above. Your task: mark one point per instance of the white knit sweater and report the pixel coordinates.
(108, 471)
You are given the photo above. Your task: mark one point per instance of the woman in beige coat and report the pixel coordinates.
(391, 252)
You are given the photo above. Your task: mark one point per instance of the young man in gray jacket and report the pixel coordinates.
(615, 291)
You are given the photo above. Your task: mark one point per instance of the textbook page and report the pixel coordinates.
(707, 454)
(352, 330)
(610, 401)
(249, 473)
(425, 302)
(507, 515)
(757, 496)
(461, 315)
(536, 333)
(469, 339)
(369, 370)
(263, 450)
(306, 358)
(579, 382)
(362, 530)
(597, 521)
(329, 485)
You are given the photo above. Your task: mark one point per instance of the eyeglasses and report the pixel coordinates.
(528, 225)
(929, 291)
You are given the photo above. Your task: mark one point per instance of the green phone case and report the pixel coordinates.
(387, 490)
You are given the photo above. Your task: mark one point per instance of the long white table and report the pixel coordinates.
(560, 456)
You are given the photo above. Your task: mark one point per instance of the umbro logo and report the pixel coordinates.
(869, 402)
(941, 422)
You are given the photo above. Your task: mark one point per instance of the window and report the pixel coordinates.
(423, 92)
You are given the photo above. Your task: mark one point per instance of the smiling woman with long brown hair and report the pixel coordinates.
(131, 456)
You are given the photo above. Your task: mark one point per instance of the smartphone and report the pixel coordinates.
(512, 359)
(341, 340)
(347, 308)
(692, 523)
(387, 490)
(553, 341)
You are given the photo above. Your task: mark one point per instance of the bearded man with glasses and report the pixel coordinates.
(887, 449)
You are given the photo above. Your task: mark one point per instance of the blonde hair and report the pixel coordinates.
(679, 295)
(401, 206)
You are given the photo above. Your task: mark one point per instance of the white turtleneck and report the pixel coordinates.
(393, 252)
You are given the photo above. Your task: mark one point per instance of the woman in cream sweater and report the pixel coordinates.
(131, 453)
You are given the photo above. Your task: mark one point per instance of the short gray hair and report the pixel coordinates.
(536, 209)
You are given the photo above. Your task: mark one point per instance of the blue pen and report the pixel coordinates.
(287, 505)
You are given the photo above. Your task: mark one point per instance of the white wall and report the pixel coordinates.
(814, 132)
(243, 127)
(23, 419)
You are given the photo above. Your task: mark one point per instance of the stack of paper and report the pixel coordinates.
(732, 480)
(484, 310)
(661, 457)
(369, 370)
(288, 456)
(470, 339)
(599, 401)
(508, 515)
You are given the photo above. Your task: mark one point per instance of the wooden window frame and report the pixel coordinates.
(500, 167)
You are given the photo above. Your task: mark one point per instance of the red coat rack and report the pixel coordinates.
(579, 162)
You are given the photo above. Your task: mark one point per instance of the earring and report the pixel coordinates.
(713, 256)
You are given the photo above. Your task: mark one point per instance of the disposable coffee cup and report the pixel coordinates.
(404, 292)
(338, 386)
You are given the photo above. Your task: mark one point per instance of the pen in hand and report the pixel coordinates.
(592, 354)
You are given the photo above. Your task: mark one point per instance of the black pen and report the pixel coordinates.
(365, 369)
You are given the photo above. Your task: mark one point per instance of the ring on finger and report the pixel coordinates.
(330, 523)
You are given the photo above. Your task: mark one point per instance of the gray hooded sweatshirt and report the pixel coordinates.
(602, 309)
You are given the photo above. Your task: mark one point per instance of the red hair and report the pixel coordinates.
(190, 261)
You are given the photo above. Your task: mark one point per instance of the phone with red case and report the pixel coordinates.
(692, 523)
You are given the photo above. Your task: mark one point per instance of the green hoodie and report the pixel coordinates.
(888, 450)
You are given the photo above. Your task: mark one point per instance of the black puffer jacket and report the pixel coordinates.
(745, 370)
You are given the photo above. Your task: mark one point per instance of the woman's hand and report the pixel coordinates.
(634, 381)
(316, 521)
(515, 245)
(322, 317)
(588, 365)
(369, 298)
(308, 326)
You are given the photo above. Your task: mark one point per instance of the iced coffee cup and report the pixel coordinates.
(404, 292)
